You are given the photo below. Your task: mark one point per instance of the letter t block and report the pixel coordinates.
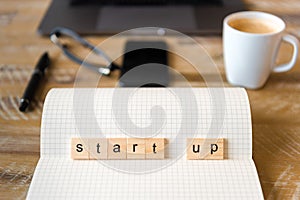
(155, 148)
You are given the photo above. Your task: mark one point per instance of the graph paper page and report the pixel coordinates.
(172, 113)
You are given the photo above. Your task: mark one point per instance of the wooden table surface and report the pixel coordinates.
(275, 108)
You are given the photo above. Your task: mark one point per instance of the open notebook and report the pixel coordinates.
(172, 113)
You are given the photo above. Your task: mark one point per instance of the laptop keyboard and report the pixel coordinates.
(147, 2)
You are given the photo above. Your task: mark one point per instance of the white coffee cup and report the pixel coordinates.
(251, 42)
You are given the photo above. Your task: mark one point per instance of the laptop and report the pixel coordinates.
(114, 16)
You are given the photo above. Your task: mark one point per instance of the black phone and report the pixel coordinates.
(145, 64)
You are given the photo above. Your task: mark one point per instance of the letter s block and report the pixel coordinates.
(79, 150)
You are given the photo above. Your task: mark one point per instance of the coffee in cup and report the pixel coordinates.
(253, 25)
(251, 42)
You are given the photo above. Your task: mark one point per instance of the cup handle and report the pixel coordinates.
(287, 66)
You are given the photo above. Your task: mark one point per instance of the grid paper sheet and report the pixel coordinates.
(171, 113)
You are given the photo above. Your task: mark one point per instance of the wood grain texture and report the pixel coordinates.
(155, 148)
(79, 149)
(117, 149)
(136, 148)
(97, 148)
(275, 108)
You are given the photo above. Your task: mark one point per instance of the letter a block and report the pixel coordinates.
(205, 149)
(136, 148)
(155, 148)
(79, 150)
(117, 148)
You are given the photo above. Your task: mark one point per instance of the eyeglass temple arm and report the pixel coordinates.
(57, 32)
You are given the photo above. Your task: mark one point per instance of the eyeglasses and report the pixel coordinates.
(59, 32)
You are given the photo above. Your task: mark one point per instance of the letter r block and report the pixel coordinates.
(136, 148)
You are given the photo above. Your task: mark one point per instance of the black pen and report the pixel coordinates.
(34, 82)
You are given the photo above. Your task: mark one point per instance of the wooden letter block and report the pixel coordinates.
(97, 148)
(205, 149)
(117, 148)
(79, 150)
(136, 148)
(155, 148)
